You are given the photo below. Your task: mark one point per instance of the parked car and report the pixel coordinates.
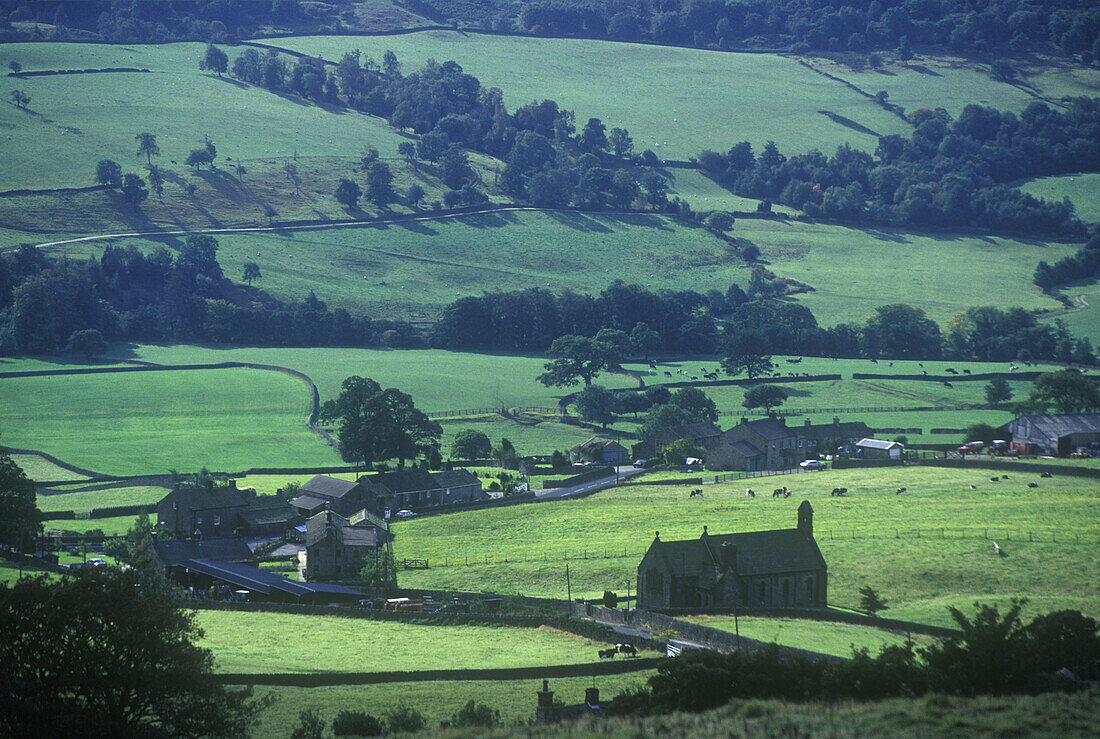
(972, 446)
(812, 464)
(406, 513)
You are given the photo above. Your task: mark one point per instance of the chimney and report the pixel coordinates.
(232, 484)
(836, 421)
(807, 424)
(592, 697)
(728, 556)
(545, 712)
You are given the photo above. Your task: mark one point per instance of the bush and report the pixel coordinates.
(558, 461)
(476, 714)
(404, 718)
(356, 723)
(610, 599)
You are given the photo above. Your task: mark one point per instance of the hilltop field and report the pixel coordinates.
(234, 419)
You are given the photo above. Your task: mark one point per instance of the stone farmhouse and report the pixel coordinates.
(407, 488)
(759, 569)
(336, 546)
(654, 446)
(218, 512)
(598, 449)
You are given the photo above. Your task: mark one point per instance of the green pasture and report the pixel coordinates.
(922, 550)
(156, 421)
(542, 437)
(703, 194)
(115, 526)
(412, 269)
(855, 270)
(437, 701)
(438, 380)
(674, 101)
(272, 642)
(934, 82)
(1083, 319)
(109, 498)
(39, 469)
(75, 120)
(828, 366)
(923, 420)
(1083, 190)
(817, 636)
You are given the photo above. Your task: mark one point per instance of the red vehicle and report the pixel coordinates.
(972, 446)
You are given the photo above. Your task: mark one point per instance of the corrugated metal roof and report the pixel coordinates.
(1056, 426)
(877, 444)
(262, 581)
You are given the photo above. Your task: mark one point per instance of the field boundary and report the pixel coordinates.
(318, 679)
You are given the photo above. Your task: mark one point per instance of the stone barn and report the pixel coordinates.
(758, 569)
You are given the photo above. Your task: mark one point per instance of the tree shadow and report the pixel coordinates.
(485, 220)
(644, 220)
(419, 227)
(921, 69)
(225, 183)
(578, 222)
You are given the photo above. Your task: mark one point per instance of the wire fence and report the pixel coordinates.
(1005, 537)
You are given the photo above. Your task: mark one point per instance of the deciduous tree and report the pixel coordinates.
(348, 193)
(147, 146)
(214, 60)
(471, 444)
(108, 173)
(753, 365)
(578, 358)
(764, 396)
(250, 272)
(20, 518)
(596, 404)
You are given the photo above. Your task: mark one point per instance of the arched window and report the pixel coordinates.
(809, 590)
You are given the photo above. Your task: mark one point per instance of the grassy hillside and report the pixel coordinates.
(156, 421)
(84, 502)
(272, 642)
(853, 270)
(868, 538)
(817, 636)
(1082, 189)
(675, 101)
(412, 269)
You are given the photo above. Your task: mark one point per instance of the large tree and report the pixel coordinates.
(752, 365)
(214, 59)
(764, 396)
(20, 518)
(108, 653)
(108, 173)
(376, 424)
(147, 146)
(380, 184)
(471, 444)
(1067, 390)
(662, 418)
(596, 404)
(348, 192)
(695, 404)
(901, 331)
(578, 358)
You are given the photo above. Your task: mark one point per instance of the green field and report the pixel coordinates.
(410, 270)
(826, 637)
(156, 421)
(272, 642)
(1082, 189)
(108, 498)
(40, 469)
(437, 701)
(854, 270)
(674, 101)
(438, 380)
(923, 550)
(76, 120)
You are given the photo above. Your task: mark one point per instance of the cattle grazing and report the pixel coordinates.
(899, 491)
(627, 649)
(839, 491)
(948, 384)
(693, 377)
(924, 372)
(750, 492)
(1004, 477)
(668, 374)
(608, 653)
(1044, 474)
(874, 361)
(973, 487)
(951, 371)
(997, 550)
(696, 492)
(994, 479)
(966, 372)
(1033, 484)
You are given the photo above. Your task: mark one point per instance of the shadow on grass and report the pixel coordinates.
(579, 222)
(486, 220)
(418, 227)
(921, 69)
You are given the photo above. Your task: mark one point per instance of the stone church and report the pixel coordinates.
(758, 569)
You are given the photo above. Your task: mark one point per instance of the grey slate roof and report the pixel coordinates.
(701, 430)
(268, 509)
(771, 428)
(221, 550)
(758, 552)
(455, 478)
(308, 502)
(847, 430)
(201, 498)
(745, 448)
(324, 486)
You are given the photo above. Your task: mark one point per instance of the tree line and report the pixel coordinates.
(1083, 265)
(48, 304)
(1061, 27)
(949, 173)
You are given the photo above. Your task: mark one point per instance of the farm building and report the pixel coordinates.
(826, 438)
(408, 487)
(256, 585)
(200, 511)
(879, 449)
(169, 555)
(754, 569)
(336, 546)
(1054, 434)
(655, 445)
(598, 449)
(763, 444)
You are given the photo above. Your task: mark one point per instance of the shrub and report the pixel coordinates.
(610, 599)
(356, 723)
(404, 718)
(476, 714)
